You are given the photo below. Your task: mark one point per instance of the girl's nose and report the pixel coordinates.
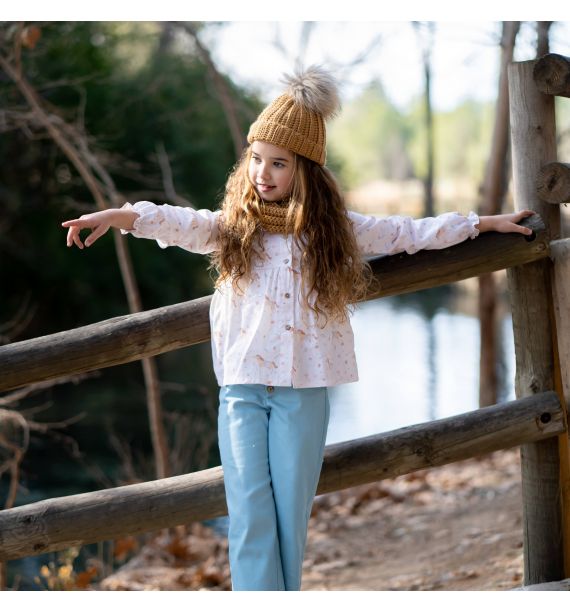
(262, 170)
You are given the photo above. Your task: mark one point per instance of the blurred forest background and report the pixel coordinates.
(93, 114)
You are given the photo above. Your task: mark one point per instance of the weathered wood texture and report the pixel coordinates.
(552, 75)
(562, 585)
(533, 145)
(553, 183)
(131, 337)
(56, 524)
(560, 255)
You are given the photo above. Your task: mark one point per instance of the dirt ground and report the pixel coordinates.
(452, 528)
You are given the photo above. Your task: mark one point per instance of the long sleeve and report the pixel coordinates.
(389, 235)
(193, 230)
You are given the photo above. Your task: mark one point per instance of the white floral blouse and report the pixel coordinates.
(266, 335)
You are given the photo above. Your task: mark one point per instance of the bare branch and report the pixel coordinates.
(278, 42)
(45, 427)
(19, 322)
(168, 183)
(74, 142)
(14, 398)
(222, 89)
(18, 47)
(19, 120)
(65, 82)
(364, 55)
(11, 419)
(123, 450)
(304, 38)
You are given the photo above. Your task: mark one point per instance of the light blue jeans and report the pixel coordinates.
(271, 442)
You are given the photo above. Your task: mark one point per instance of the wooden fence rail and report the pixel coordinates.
(136, 336)
(59, 523)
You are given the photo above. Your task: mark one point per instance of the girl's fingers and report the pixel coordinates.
(77, 240)
(95, 234)
(70, 222)
(71, 236)
(522, 215)
(81, 223)
(522, 230)
(76, 225)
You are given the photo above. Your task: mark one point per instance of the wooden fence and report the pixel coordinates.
(538, 271)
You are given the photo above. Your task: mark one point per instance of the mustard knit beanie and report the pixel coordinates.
(296, 119)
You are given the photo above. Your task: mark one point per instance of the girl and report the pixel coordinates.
(290, 259)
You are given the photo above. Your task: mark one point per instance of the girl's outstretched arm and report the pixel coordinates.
(505, 223)
(99, 223)
(396, 234)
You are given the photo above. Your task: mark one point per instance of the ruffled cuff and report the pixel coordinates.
(473, 218)
(146, 212)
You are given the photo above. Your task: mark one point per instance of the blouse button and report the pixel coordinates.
(287, 327)
(285, 261)
(287, 295)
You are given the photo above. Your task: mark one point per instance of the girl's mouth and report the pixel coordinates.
(265, 188)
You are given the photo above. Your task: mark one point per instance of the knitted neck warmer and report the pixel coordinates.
(274, 218)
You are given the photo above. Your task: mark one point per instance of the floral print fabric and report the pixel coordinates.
(265, 334)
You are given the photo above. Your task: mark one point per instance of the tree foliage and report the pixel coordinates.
(374, 139)
(133, 91)
(371, 138)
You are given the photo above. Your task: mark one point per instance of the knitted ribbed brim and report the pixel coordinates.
(289, 125)
(296, 119)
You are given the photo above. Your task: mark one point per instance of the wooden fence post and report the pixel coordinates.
(533, 135)
(561, 294)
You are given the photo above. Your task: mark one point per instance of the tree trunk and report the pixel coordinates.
(542, 42)
(427, 46)
(493, 193)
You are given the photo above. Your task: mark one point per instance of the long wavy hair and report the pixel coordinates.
(333, 271)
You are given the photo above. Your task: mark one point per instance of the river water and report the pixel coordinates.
(416, 364)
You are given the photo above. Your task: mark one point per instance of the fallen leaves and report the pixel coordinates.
(452, 528)
(193, 557)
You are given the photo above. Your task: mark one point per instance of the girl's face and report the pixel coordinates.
(271, 170)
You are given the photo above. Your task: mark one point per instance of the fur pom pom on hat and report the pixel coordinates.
(296, 119)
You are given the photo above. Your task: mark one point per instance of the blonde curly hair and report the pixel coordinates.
(333, 270)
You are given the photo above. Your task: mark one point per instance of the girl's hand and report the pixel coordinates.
(99, 223)
(506, 223)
